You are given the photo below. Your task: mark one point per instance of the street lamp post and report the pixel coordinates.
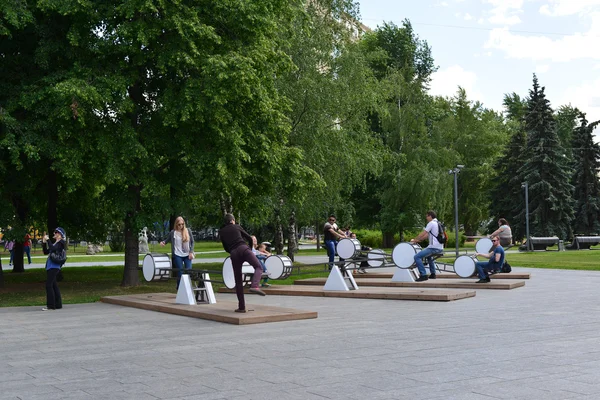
(454, 171)
(525, 185)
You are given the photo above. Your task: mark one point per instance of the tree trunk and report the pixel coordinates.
(225, 204)
(292, 237)
(317, 234)
(388, 240)
(18, 264)
(131, 276)
(22, 210)
(278, 235)
(51, 208)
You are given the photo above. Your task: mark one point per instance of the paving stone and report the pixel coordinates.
(536, 342)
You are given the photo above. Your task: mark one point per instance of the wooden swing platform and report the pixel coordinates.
(387, 293)
(439, 283)
(446, 275)
(222, 311)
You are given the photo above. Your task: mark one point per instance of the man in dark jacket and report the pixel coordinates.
(232, 236)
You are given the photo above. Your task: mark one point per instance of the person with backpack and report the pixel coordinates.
(495, 263)
(433, 230)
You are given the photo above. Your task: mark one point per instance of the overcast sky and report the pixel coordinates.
(493, 47)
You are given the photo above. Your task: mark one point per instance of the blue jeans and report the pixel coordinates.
(12, 252)
(27, 250)
(181, 263)
(262, 259)
(427, 253)
(483, 267)
(330, 245)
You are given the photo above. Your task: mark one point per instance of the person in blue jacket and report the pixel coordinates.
(53, 298)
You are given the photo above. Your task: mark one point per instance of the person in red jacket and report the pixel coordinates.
(27, 247)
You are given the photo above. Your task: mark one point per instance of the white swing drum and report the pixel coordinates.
(156, 267)
(376, 258)
(464, 266)
(278, 266)
(484, 245)
(228, 277)
(348, 248)
(404, 253)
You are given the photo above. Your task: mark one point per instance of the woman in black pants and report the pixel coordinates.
(53, 299)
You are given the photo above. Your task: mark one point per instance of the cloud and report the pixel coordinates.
(586, 97)
(468, 17)
(445, 82)
(566, 48)
(557, 8)
(504, 12)
(540, 69)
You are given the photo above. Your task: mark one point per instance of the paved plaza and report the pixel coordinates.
(535, 342)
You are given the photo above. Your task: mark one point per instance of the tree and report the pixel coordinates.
(506, 195)
(478, 136)
(586, 178)
(566, 121)
(408, 124)
(43, 142)
(546, 169)
(330, 90)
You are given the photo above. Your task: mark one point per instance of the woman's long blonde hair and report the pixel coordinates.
(185, 236)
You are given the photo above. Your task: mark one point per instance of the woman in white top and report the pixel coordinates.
(182, 247)
(503, 232)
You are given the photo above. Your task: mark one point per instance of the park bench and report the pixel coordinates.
(541, 243)
(583, 242)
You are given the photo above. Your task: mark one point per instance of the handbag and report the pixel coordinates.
(59, 257)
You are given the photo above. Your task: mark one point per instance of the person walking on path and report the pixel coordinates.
(56, 258)
(9, 246)
(27, 247)
(182, 248)
(236, 241)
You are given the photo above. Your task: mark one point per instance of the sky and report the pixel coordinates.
(493, 47)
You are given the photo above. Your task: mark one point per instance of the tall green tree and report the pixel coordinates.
(507, 198)
(415, 176)
(546, 170)
(478, 136)
(331, 90)
(45, 119)
(586, 178)
(566, 121)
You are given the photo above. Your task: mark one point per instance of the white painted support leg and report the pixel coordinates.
(337, 281)
(405, 275)
(210, 293)
(185, 295)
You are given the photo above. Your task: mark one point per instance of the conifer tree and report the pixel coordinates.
(507, 198)
(586, 170)
(546, 169)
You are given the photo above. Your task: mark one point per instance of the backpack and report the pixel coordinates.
(442, 236)
(506, 268)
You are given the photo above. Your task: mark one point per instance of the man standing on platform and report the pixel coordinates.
(434, 248)
(331, 234)
(496, 257)
(232, 236)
